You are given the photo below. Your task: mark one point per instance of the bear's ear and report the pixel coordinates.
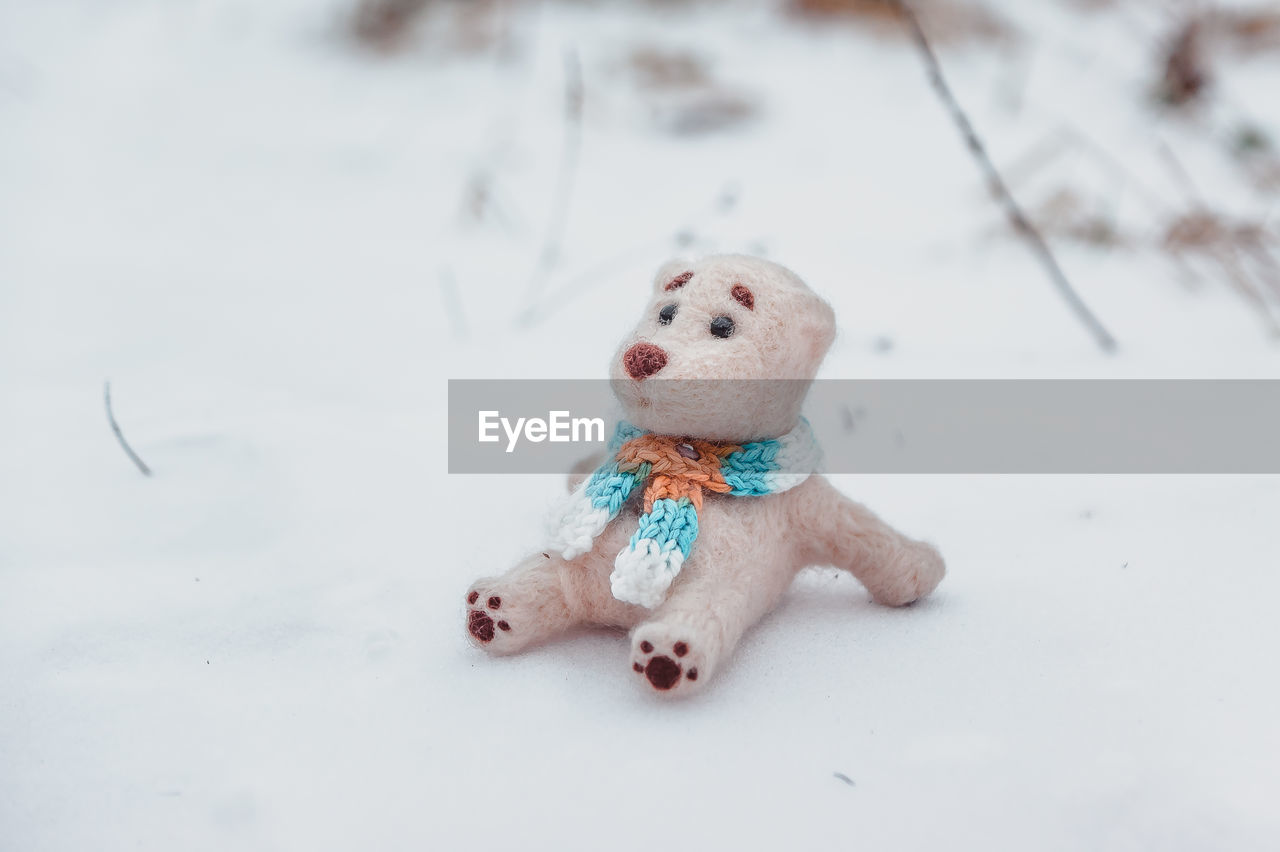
(673, 275)
(819, 328)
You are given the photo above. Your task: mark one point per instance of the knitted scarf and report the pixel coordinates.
(676, 473)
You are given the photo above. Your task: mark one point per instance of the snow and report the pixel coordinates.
(249, 226)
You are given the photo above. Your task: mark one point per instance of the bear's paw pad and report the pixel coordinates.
(484, 621)
(665, 663)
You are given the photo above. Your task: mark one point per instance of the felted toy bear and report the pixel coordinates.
(708, 504)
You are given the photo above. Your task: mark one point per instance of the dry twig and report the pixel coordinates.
(1205, 231)
(384, 24)
(997, 185)
(115, 427)
(1186, 73)
(392, 25)
(949, 20)
(1248, 30)
(551, 244)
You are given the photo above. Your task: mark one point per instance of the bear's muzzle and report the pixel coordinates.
(643, 360)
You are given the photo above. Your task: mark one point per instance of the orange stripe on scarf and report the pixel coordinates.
(671, 474)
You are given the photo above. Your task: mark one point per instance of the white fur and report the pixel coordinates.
(748, 548)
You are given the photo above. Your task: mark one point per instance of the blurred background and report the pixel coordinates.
(278, 228)
(316, 191)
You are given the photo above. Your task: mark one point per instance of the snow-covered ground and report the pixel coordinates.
(257, 232)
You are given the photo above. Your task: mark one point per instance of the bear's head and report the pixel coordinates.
(726, 350)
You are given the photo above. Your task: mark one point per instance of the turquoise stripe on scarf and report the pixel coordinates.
(745, 470)
(609, 487)
(669, 521)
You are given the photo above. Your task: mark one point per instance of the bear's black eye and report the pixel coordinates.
(666, 315)
(722, 326)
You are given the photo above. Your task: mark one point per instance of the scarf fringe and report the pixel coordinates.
(643, 572)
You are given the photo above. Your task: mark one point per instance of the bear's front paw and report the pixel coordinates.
(488, 623)
(671, 659)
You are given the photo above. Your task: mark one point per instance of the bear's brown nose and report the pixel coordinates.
(643, 360)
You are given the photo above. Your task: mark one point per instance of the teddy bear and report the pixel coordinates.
(708, 503)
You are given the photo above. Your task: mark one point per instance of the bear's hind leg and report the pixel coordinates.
(895, 569)
(689, 635)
